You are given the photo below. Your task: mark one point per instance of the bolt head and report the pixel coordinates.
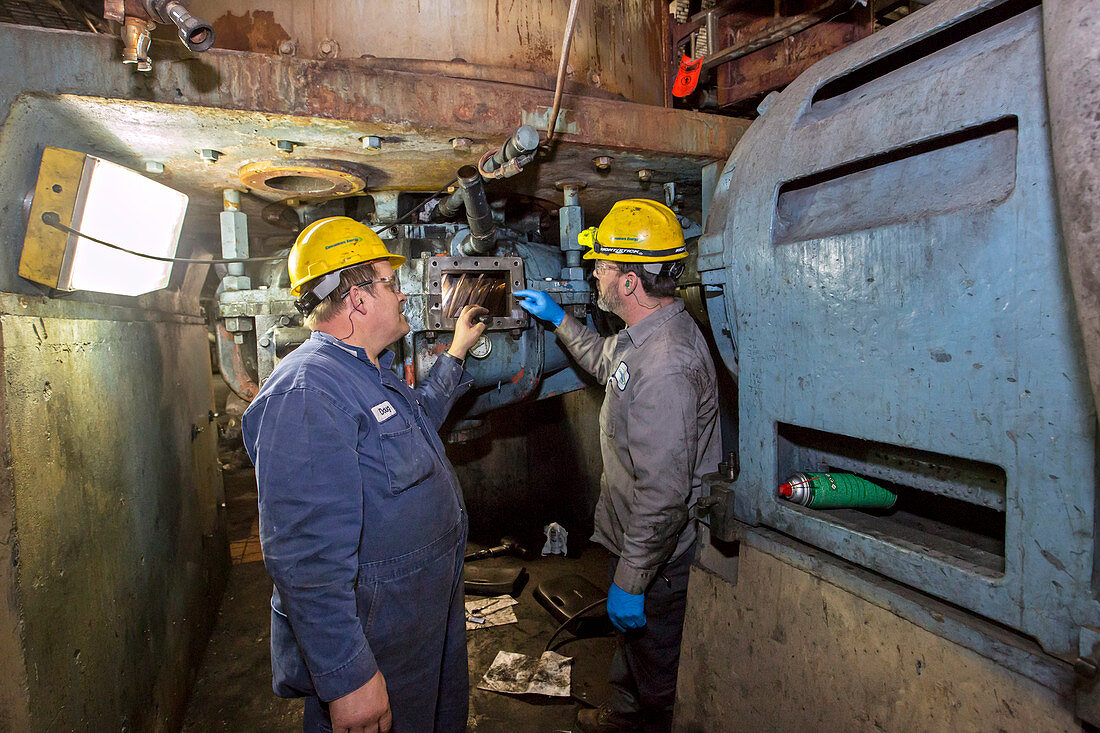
(210, 155)
(461, 143)
(371, 142)
(287, 48)
(265, 342)
(645, 174)
(602, 162)
(154, 167)
(285, 146)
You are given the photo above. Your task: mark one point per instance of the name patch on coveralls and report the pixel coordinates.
(621, 376)
(383, 411)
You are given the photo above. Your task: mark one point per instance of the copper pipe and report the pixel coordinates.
(570, 23)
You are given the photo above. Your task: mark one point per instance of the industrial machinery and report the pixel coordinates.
(886, 274)
(113, 495)
(886, 268)
(499, 248)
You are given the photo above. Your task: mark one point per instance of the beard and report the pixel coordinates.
(610, 302)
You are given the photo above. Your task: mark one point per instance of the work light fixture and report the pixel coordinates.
(105, 201)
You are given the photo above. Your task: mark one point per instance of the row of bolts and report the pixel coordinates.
(373, 142)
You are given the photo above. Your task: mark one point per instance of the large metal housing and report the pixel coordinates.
(894, 294)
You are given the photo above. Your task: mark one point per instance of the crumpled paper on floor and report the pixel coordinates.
(519, 674)
(494, 612)
(556, 539)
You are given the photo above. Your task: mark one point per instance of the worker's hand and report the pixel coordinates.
(540, 305)
(367, 710)
(627, 610)
(467, 330)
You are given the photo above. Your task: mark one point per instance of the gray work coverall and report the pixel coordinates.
(659, 434)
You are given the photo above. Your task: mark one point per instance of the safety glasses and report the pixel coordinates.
(391, 284)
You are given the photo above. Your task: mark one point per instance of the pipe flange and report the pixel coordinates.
(304, 178)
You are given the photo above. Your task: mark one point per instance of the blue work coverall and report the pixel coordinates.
(363, 529)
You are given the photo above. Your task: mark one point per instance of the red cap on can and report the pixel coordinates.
(786, 490)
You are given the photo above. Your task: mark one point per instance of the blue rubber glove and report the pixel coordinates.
(627, 610)
(540, 305)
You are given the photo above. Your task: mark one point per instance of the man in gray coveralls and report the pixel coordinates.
(659, 435)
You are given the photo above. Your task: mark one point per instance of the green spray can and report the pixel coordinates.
(835, 490)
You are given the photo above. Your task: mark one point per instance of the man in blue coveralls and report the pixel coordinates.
(362, 520)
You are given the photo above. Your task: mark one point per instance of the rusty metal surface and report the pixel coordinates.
(240, 103)
(780, 63)
(1071, 30)
(617, 45)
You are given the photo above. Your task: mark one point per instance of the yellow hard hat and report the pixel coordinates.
(636, 230)
(332, 244)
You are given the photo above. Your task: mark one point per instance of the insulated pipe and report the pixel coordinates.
(478, 214)
(524, 140)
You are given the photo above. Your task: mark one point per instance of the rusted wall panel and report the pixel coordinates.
(779, 64)
(617, 44)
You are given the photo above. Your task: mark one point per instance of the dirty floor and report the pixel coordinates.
(233, 688)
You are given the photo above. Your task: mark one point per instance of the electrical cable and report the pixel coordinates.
(51, 218)
(570, 620)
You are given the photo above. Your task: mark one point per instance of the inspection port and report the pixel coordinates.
(948, 507)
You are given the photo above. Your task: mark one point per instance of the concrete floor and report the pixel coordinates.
(233, 688)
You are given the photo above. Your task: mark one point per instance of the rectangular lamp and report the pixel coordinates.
(107, 201)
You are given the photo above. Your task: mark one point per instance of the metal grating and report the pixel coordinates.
(44, 14)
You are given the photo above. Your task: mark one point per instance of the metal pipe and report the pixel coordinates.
(196, 34)
(451, 205)
(570, 24)
(135, 43)
(524, 140)
(478, 214)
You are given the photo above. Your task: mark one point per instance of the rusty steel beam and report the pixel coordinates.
(349, 90)
(777, 64)
(773, 31)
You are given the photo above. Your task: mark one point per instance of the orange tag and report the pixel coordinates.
(687, 77)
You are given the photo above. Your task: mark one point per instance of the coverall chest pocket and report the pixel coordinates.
(611, 411)
(408, 458)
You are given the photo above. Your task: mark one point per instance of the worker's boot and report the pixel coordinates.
(606, 720)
